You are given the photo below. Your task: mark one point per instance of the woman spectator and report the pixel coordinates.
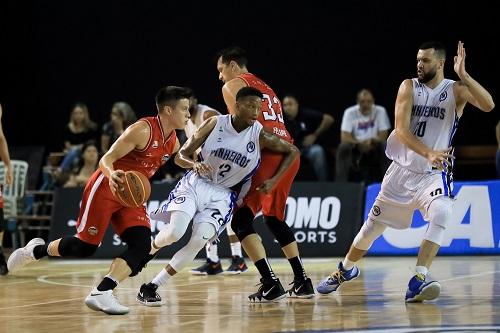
(87, 165)
(78, 131)
(122, 116)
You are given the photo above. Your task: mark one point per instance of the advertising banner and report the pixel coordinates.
(324, 216)
(474, 227)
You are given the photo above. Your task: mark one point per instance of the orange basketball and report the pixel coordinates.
(136, 189)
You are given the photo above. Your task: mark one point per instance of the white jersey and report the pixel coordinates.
(234, 156)
(434, 121)
(195, 122)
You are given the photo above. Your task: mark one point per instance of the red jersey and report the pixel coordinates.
(271, 116)
(154, 155)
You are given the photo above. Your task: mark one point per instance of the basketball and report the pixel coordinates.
(136, 189)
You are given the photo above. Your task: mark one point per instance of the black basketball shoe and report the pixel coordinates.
(148, 296)
(237, 266)
(301, 289)
(269, 291)
(208, 268)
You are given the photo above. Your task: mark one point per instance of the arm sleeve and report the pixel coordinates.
(346, 122)
(383, 119)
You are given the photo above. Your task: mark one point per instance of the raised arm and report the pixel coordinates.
(468, 89)
(274, 143)
(135, 137)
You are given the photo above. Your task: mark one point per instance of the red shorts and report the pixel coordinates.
(99, 207)
(274, 203)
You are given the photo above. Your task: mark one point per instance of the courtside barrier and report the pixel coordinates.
(473, 229)
(325, 218)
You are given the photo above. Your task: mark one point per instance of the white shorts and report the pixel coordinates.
(403, 191)
(203, 201)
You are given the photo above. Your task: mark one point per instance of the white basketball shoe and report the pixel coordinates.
(24, 255)
(106, 302)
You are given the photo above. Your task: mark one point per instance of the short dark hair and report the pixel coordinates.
(233, 53)
(168, 96)
(438, 47)
(248, 91)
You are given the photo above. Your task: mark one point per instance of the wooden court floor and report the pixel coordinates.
(48, 297)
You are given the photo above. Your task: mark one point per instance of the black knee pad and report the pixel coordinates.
(242, 223)
(138, 241)
(281, 231)
(74, 247)
(2, 222)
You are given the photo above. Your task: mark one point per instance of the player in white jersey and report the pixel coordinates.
(200, 113)
(427, 112)
(230, 155)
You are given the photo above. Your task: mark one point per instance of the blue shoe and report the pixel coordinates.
(332, 282)
(419, 290)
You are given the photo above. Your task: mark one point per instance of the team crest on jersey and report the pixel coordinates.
(376, 210)
(250, 147)
(443, 96)
(155, 144)
(165, 157)
(179, 200)
(92, 231)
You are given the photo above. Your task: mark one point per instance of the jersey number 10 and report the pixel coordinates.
(420, 129)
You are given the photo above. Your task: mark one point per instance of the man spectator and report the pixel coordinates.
(305, 126)
(363, 134)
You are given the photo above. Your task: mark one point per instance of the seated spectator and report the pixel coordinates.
(87, 165)
(78, 131)
(122, 115)
(363, 134)
(498, 150)
(305, 126)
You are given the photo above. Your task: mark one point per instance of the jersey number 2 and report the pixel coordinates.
(224, 168)
(272, 114)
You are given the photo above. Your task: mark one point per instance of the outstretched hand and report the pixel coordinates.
(459, 61)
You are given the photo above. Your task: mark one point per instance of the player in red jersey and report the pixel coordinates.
(231, 65)
(4, 157)
(143, 147)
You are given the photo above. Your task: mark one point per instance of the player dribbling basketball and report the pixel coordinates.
(143, 147)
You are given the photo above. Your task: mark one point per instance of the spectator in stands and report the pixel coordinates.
(498, 150)
(79, 130)
(87, 165)
(363, 134)
(305, 126)
(122, 115)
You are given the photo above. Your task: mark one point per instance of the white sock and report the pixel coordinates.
(421, 270)
(347, 264)
(213, 253)
(161, 278)
(236, 249)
